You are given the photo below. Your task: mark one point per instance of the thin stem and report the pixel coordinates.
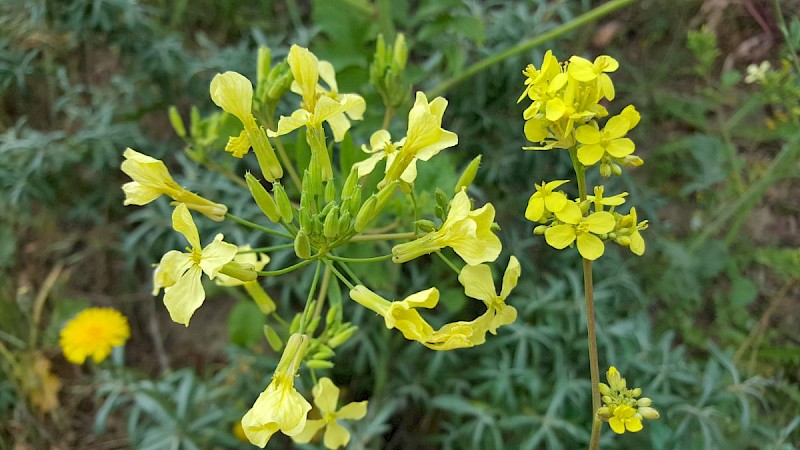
(594, 366)
(383, 237)
(387, 117)
(574, 24)
(448, 262)
(266, 249)
(256, 226)
(311, 291)
(323, 291)
(270, 273)
(351, 273)
(359, 260)
(338, 274)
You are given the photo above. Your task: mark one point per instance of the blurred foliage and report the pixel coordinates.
(702, 323)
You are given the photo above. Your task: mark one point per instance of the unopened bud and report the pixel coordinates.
(468, 175)
(330, 228)
(273, 339)
(604, 413)
(644, 401)
(365, 214)
(242, 272)
(605, 169)
(604, 389)
(317, 364)
(262, 198)
(333, 313)
(283, 202)
(324, 352)
(306, 223)
(636, 392)
(302, 246)
(539, 230)
(295, 325)
(400, 54)
(648, 413)
(441, 198)
(631, 161)
(342, 337)
(350, 183)
(177, 122)
(425, 225)
(312, 326)
(616, 169)
(330, 191)
(607, 399)
(345, 221)
(262, 70)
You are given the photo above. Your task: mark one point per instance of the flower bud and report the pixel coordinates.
(539, 230)
(177, 122)
(342, 337)
(636, 392)
(330, 228)
(302, 246)
(644, 401)
(468, 175)
(631, 161)
(330, 191)
(242, 272)
(333, 313)
(607, 399)
(604, 389)
(400, 54)
(295, 325)
(324, 352)
(350, 183)
(273, 339)
(345, 221)
(317, 364)
(616, 169)
(306, 223)
(604, 413)
(283, 202)
(262, 70)
(365, 214)
(605, 169)
(425, 225)
(262, 198)
(648, 413)
(312, 326)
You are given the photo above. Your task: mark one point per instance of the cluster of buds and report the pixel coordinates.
(624, 409)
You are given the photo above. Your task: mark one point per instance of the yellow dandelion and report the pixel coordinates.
(93, 332)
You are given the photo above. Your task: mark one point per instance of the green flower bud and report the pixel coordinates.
(262, 70)
(331, 226)
(441, 198)
(324, 352)
(604, 413)
(353, 202)
(365, 214)
(195, 121)
(539, 230)
(295, 325)
(607, 399)
(242, 272)
(636, 392)
(283, 202)
(425, 225)
(631, 161)
(333, 314)
(262, 198)
(616, 169)
(350, 183)
(644, 401)
(312, 326)
(302, 246)
(400, 54)
(317, 364)
(604, 389)
(345, 221)
(605, 169)
(468, 175)
(342, 337)
(306, 223)
(177, 122)
(330, 191)
(273, 339)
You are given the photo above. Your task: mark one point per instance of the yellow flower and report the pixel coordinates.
(583, 231)
(233, 93)
(599, 200)
(381, 147)
(319, 104)
(597, 143)
(326, 396)
(478, 283)
(583, 70)
(179, 273)
(151, 179)
(400, 314)
(537, 81)
(425, 136)
(467, 232)
(93, 332)
(256, 262)
(280, 407)
(545, 199)
(625, 419)
(630, 222)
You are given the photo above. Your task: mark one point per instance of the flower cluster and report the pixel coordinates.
(330, 209)
(564, 113)
(623, 409)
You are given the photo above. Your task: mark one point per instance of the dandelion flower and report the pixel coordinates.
(93, 332)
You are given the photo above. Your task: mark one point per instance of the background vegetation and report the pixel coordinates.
(706, 322)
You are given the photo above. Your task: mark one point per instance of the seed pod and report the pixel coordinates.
(262, 198)
(468, 176)
(342, 336)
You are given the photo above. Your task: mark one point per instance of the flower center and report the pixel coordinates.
(196, 255)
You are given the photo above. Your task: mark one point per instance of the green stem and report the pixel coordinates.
(785, 32)
(384, 237)
(266, 249)
(338, 274)
(270, 273)
(448, 262)
(351, 273)
(387, 117)
(310, 297)
(574, 24)
(359, 260)
(287, 163)
(256, 226)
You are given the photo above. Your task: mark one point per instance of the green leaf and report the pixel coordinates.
(245, 324)
(743, 291)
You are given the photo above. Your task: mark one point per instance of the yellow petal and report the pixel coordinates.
(238, 145)
(633, 116)
(601, 222)
(535, 130)
(617, 425)
(353, 411)
(339, 125)
(581, 69)
(605, 63)
(616, 127)
(637, 243)
(555, 201)
(422, 299)
(606, 86)
(172, 266)
(560, 236)
(589, 154)
(279, 407)
(328, 75)
(633, 424)
(478, 282)
(183, 223)
(139, 194)
(233, 93)
(326, 395)
(620, 148)
(590, 246)
(145, 170)
(335, 436)
(378, 141)
(571, 213)
(366, 166)
(184, 297)
(555, 109)
(354, 105)
(510, 277)
(216, 255)
(312, 428)
(304, 66)
(587, 134)
(535, 209)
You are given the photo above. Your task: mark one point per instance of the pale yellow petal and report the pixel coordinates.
(309, 431)
(183, 223)
(173, 264)
(304, 66)
(216, 255)
(335, 436)
(233, 92)
(184, 297)
(339, 125)
(410, 174)
(326, 395)
(144, 169)
(354, 105)
(353, 411)
(510, 277)
(286, 125)
(366, 166)
(328, 75)
(139, 194)
(238, 145)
